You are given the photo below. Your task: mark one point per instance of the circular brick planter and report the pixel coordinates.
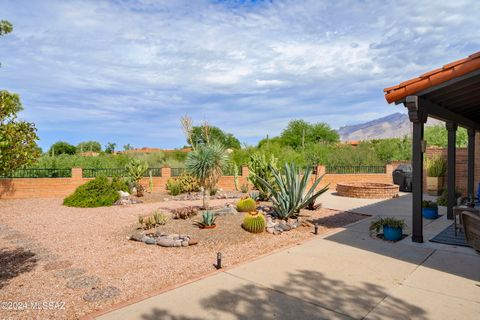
(368, 190)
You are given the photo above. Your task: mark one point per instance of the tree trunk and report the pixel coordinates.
(206, 198)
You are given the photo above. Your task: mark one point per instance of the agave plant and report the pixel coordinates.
(289, 191)
(208, 219)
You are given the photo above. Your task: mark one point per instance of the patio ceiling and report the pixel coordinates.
(451, 94)
(448, 93)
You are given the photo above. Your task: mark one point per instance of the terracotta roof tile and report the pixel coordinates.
(433, 78)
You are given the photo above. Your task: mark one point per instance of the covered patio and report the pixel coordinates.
(451, 94)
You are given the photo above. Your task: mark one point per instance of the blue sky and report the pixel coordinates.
(126, 71)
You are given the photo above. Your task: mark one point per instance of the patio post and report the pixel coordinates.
(418, 117)
(452, 141)
(471, 164)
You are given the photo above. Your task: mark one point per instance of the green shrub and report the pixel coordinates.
(436, 166)
(254, 222)
(246, 205)
(443, 199)
(98, 192)
(119, 184)
(155, 219)
(429, 204)
(391, 222)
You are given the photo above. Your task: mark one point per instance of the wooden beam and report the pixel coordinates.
(471, 164)
(444, 114)
(451, 159)
(418, 117)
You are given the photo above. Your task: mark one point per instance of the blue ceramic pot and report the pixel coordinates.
(392, 234)
(430, 213)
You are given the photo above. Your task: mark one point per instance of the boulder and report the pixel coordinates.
(165, 242)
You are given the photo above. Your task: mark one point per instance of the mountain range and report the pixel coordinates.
(395, 125)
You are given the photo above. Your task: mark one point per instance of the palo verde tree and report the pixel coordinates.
(216, 134)
(18, 147)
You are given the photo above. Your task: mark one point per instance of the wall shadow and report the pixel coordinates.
(14, 262)
(305, 294)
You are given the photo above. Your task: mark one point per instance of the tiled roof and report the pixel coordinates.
(433, 78)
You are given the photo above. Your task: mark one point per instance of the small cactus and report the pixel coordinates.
(254, 222)
(208, 220)
(246, 205)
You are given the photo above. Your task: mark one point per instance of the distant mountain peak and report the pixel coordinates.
(395, 125)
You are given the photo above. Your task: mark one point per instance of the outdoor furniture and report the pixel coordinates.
(471, 225)
(457, 210)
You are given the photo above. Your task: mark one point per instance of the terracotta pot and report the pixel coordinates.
(435, 185)
(208, 227)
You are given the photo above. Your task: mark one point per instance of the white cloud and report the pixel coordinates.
(119, 68)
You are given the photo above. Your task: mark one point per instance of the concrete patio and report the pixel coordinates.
(346, 275)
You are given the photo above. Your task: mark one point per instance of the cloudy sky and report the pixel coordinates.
(126, 71)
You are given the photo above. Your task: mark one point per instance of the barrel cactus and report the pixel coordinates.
(246, 205)
(254, 222)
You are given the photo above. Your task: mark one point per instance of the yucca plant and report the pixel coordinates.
(289, 192)
(205, 163)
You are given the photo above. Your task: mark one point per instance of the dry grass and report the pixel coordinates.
(46, 245)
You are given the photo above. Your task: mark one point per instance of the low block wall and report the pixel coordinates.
(20, 188)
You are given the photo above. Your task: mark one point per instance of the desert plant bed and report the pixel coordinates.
(82, 258)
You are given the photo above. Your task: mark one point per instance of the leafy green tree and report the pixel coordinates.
(92, 146)
(438, 136)
(127, 147)
(215, 134)
(18, 147)
(110, 147)
(61, 147)
(299, 133)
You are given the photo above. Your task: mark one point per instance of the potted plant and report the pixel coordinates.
(392, 228)
(429, 209)
(436, 169)
(208, 220)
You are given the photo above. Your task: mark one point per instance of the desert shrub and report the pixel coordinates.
(155, 219)
(436, 166)
(98, 192)
(184, 213)
(119, 184)
(182, 184)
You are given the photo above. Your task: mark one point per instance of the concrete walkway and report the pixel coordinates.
(347, 275)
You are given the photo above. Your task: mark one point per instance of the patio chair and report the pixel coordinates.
(471, 226)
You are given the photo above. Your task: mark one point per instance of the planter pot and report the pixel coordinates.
(208, 227)
(435, 185)
(392, 234)
(430, 213)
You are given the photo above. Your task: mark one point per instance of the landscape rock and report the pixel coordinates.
(137, 236)
(150, 241)
(165, 242)
(83, 282)
(225, 211)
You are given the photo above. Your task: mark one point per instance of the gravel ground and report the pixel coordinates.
(74, 261)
